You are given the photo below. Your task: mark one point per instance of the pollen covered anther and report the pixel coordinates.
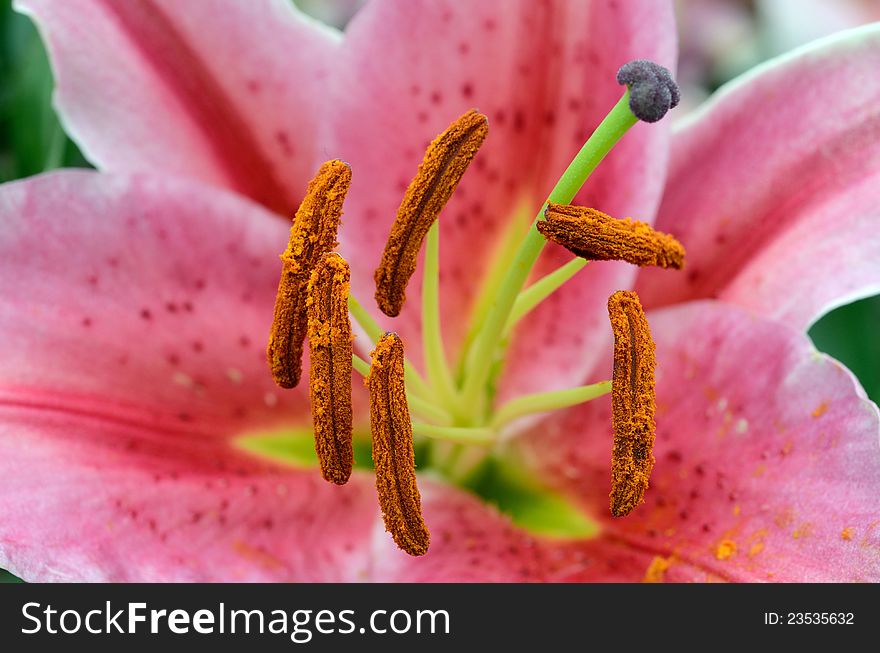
(632, 401)
(393, 454)
(446, 160)
(312, 235)
(595, 236)
(330, 351)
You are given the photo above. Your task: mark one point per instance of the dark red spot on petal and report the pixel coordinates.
(284, 143)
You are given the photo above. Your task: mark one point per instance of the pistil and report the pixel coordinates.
(607, 134)
(650, 93)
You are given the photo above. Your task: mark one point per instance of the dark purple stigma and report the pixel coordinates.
(652, 91)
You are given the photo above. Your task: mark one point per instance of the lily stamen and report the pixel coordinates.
(312, 235)
(458, 413)
(632, 401)
(595, 236)
(393, 454)
(330, 355)
(446, 160)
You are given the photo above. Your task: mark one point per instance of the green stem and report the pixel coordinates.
(364, 319)
(362, 316)
(494, 276)
(360, 366)
(418, 405)
(529, 298)
(463, 435)
(607, 134)
(543, 402)
(427, 410)
(465, 461)
(436, 363)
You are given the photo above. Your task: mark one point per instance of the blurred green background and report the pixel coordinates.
(32, 140)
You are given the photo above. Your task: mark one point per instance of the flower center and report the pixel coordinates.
(454, 409)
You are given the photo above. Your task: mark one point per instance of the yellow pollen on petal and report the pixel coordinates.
(725, 549)
(256, 555)
(595, 236)
(632, 401)
(446, 160)
(820, 410)
(393, 453)
(656, 572)
(847, 533)
(755, 549)
(330, 355)
(312, 235)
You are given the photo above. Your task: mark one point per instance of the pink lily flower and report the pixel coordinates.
(135, 302)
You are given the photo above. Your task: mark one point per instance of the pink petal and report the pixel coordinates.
(544, 74)
(141, 300)
(87, 499)
(472, 542)
(768, 456)
(774, 185)
(226, 92)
